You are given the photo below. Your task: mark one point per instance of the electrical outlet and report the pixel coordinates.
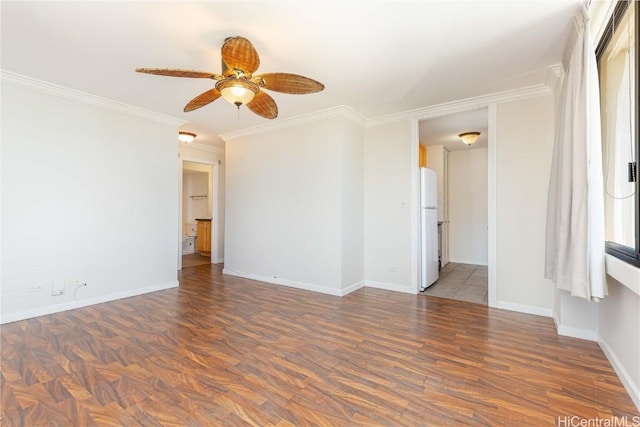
(35, 287)
(57, 287)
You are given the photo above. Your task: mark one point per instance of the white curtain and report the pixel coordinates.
(575, 210)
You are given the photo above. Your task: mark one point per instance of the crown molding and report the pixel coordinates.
(86, 98)
(554, 77)
(557, 70)
(462, 105)
(339, 111)
(202, 147)
(417, 114)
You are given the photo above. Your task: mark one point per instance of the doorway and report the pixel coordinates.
(462, 203)
(198, 195)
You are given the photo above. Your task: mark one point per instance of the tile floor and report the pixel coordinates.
(464, 282)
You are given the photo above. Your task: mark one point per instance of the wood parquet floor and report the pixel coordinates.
(221, 350)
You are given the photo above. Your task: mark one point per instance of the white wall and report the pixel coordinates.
(388, 232)
(523, 161)
(195, 184)
(293, 206)
(352, 206)
(468, 214)
(619, 334)
(76, 203)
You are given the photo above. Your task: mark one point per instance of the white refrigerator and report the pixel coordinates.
(429, 264)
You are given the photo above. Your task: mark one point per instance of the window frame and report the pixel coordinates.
(622, 252)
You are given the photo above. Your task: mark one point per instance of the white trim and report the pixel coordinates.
(339, 111)
(554, 76)
(625, 273)
(466, 261)
(202, 147)
(569, 331)
(86, 98)
(416, 114)
(600, 13)
(180, 209)
(215, 212)
(286, 282)
(215, 205)
(521, 308)
(353, 287)
(390, 287)
(584, 334)
(28, 314)
(632, 388)
(462, 105)
(492, 209)
(414, 205)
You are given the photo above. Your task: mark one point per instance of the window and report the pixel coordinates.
(618, 71)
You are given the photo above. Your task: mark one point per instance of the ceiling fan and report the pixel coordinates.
(238, 85)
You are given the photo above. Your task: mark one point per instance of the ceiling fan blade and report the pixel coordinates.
(179, 73)
(202, 100)
(290, 83)
(239, 53)
(263, 105)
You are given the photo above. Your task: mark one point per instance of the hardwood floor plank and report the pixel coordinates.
(74, 410)
(221, 350)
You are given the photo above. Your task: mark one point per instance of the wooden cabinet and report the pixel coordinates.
(204, 237)
(422, 156)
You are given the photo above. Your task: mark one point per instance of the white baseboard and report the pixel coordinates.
(42, 311)
(389, 286)
(353, 287)
(570, 331)
(466, 261)
(286, 282)
(632, 388)
(529, 309)
(218, 261)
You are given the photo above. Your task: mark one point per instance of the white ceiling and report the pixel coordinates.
(376, 57)
(445, 130)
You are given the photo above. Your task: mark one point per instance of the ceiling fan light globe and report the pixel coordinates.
(237, 95)
(237, 91)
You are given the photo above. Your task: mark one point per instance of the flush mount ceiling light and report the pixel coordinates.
(186, 137)
(469, 137)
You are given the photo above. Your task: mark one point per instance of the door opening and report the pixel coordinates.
(198, 242)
